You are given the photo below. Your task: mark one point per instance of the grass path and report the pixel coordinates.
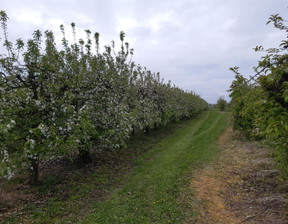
(151, 192)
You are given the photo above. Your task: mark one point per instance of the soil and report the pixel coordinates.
(242, 186)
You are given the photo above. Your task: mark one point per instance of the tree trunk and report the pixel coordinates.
(85, 156)
(34, 171)
(147, 130)
(133, 131)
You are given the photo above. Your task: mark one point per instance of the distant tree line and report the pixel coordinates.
(222, 104)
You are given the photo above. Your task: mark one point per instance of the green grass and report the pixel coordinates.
(151, 192)
(141, 184)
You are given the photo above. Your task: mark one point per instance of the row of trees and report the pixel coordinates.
(72, 99)
(260, 104)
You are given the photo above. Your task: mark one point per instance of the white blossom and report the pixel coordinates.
(43, 129)
(37, 102)
(5, 156)
(31, 143)
(8, 173)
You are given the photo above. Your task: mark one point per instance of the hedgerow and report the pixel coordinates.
(260, 103)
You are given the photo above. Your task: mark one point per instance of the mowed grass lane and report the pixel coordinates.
(151, 192)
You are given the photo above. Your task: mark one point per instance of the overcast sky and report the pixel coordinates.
(193, 43)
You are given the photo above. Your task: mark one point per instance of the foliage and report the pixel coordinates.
(260, 104)
(221, 104)
(74, 99)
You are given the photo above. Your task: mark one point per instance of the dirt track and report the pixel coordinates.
(242, 186)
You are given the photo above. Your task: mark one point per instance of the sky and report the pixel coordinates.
(193, 43)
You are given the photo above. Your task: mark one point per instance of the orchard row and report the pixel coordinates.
(72, 99)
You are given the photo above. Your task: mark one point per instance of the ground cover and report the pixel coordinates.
(140, 184)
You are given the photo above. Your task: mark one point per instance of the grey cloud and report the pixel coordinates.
(191, 43)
